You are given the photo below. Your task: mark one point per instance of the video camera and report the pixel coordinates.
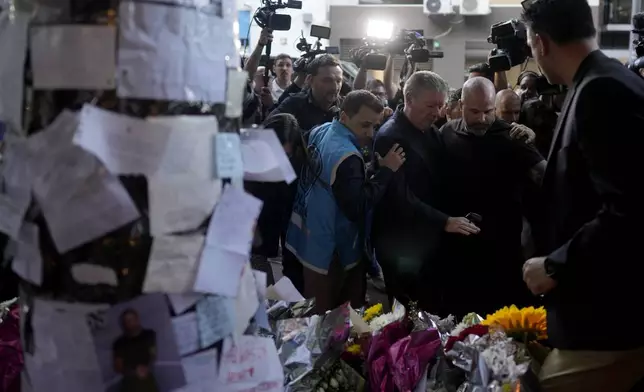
(310, 51)
(408, 43)
(637, 65)
(266, 16)
(511, 40)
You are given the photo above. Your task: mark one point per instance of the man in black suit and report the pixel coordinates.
(406, 228)
(593, 264)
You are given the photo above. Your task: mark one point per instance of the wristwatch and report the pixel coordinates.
(551, 268)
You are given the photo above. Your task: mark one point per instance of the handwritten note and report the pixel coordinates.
(219, 271)
(76, 181)
(227, 158)
(27, 262)
(232, 225)
(186, 333)
(66, 358)
(246, 303)
(156, 61)
(73, 57)
(216, 318)
(125, 144)
(264, 157)
(249, 362)
(173, 264)
(182, 302)
(180, 203)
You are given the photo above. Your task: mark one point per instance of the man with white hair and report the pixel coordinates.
(406, 227)
(485, 169)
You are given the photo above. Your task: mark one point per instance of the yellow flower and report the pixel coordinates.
(354, 349)
(372, 312)
(524, 325)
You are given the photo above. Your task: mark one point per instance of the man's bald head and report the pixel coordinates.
(508, 105)
(478, 104)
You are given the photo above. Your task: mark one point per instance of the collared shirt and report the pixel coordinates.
(276, 90)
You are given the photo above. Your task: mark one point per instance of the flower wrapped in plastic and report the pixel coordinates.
(11, 356)
(310, 343)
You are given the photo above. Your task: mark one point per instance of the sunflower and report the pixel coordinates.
(372, 312)
(524, 325)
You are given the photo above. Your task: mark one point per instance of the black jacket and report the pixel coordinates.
(306, 111)
(593, 194)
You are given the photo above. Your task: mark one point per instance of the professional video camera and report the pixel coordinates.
(408, 43)
(511, 40)
(637, 65)
(511, 43)
(310, 51)
(266, 16)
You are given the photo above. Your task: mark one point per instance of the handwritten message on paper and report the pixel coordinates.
(233, 222)
(173, 264)
(186, 332)
(250, 361)
(215, 318)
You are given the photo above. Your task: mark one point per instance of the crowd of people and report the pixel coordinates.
(446, 192)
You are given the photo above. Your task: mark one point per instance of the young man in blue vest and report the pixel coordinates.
(334, 195)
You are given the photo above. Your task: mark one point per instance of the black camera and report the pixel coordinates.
(310, 51)
(408, 43)
(266, 16)
(637, 65)
(512, 49)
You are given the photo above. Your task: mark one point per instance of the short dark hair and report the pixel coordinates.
(455, 96)
(564, 21)
(526, 73)
(282, 56)
(125, 313)
(326, 60)
(359, 98)
(285, 126)
(374, 84)
(484, 69)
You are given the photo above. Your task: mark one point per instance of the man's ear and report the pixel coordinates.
(344, 117)
(308, 79)
(542, 44)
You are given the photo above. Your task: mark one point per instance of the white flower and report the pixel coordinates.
(382, 321)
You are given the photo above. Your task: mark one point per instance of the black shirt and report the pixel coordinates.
(485, 175)
(306, 111)
(135, 350)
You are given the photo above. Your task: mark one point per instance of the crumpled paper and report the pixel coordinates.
(305, 344)
(11, 356)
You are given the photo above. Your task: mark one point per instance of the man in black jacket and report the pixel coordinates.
(406, 226)
(592, 262)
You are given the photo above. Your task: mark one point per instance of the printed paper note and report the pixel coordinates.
(65, 359)
(219, 271)
(264, 157)
(216, 318)
(227, 157)
(180, 203)
(186, 332)
(80, 200)
(174, 53)
(173, 264)
(232, 226)
(249, 362)
(27, 262)
(73, 57)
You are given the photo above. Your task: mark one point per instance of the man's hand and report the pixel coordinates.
(461, 226)
(394, 158)
(266, 97)
(535, 276)
(386, 113)
(265, 37)
(520, 131)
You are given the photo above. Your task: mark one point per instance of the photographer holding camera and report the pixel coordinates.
(592, 260)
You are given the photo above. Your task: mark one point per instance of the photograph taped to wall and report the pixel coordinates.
(136, 346)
